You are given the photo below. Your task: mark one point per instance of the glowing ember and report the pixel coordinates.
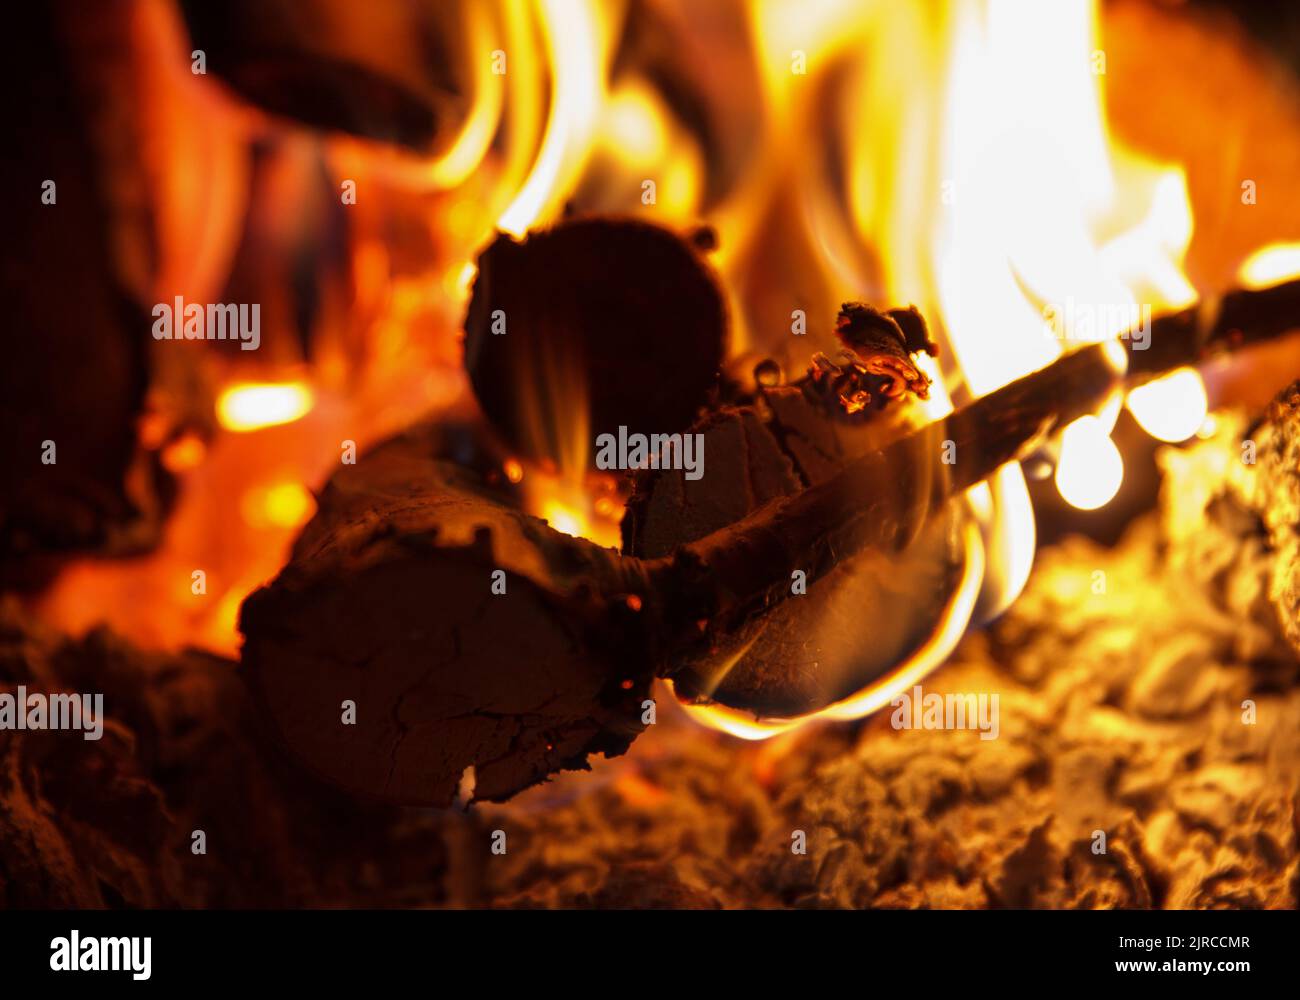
(252, 406)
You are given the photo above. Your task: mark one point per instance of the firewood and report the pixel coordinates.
(479, 649)
(367, 618)
(1217, 325)
(390, 666)
(805, 653)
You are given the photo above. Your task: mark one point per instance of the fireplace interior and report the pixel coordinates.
(652, 454)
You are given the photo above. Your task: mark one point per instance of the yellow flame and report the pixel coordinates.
(251, 406)
(571, 511)
(1043, 199)
(982, 185)
(1270, 265)
(471, 145)
(1047, 230)
(563, 518)
(575, 44)
(662, 166)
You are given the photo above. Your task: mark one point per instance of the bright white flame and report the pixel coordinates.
(1048, 220)
(1026, 185)
(1171, 408)
(1090, 469)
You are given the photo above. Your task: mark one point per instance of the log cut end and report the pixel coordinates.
(595, 323)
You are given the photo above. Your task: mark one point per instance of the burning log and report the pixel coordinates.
(1214, 326)
(429, 639)
(391, 666)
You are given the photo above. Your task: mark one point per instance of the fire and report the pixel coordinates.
(954, 156)
(986, 189)
(283, 505)
(1042, 200)
(585, 507)
(563, 518)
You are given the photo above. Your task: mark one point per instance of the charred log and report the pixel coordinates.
(482, 650)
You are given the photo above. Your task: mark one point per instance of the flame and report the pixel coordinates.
(252, 406)
(1270, 265)
(282, 505)
(1042, 199)
(640, 149)
(574, 37)
(582, 506)
(1171, 408)
(983, 186)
